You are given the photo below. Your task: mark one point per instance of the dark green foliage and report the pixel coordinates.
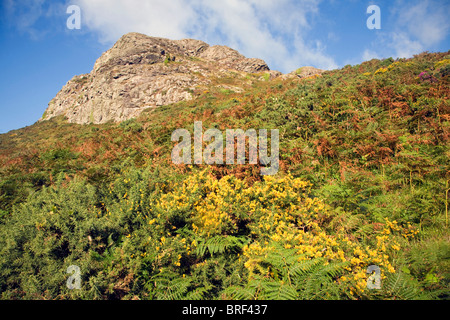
(47, 234)
(131, 125)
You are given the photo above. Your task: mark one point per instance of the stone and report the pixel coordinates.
(141, 72)
(301, 73)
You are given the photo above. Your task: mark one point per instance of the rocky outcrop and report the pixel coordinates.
(141, 72)
(232, 59)
(301, 73)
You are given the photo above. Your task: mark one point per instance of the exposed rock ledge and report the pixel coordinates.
(141, 72)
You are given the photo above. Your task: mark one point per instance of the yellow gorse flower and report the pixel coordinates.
(278, 214)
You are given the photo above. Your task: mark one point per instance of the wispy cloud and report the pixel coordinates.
(287, 34)
(276, 31)
(417, 26)
(427, 21)
(23, 14)
(27, 16)
(369, 55)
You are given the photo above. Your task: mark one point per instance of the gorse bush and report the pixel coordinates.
(198, 237)
(55, 227)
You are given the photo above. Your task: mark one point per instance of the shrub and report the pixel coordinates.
(131, 125)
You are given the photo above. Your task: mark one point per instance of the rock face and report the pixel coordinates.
(141, 72)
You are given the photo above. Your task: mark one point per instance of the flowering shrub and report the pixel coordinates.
(381, 70)
(426, 76)
(278, 212)
(442, 63)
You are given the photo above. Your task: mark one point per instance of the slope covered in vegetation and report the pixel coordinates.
(363, 180)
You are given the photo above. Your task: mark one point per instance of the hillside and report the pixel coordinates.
(363, 180)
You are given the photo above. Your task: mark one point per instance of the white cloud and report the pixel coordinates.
(404, 46)
(418, 27)
(369, 55)
(275, 31)
(113, 18)
(427, 21)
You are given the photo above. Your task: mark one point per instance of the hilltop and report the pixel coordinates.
(141, 72)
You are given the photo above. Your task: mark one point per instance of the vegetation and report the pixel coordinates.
(363, 180)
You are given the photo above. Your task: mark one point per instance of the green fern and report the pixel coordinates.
(319, 282)
(167, 286)
(198, 293)
(241, 293)
(291, 279)
(401, 286)
(220, 244)
(278, 290)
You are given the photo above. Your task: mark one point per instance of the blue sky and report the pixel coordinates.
(39, 54)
